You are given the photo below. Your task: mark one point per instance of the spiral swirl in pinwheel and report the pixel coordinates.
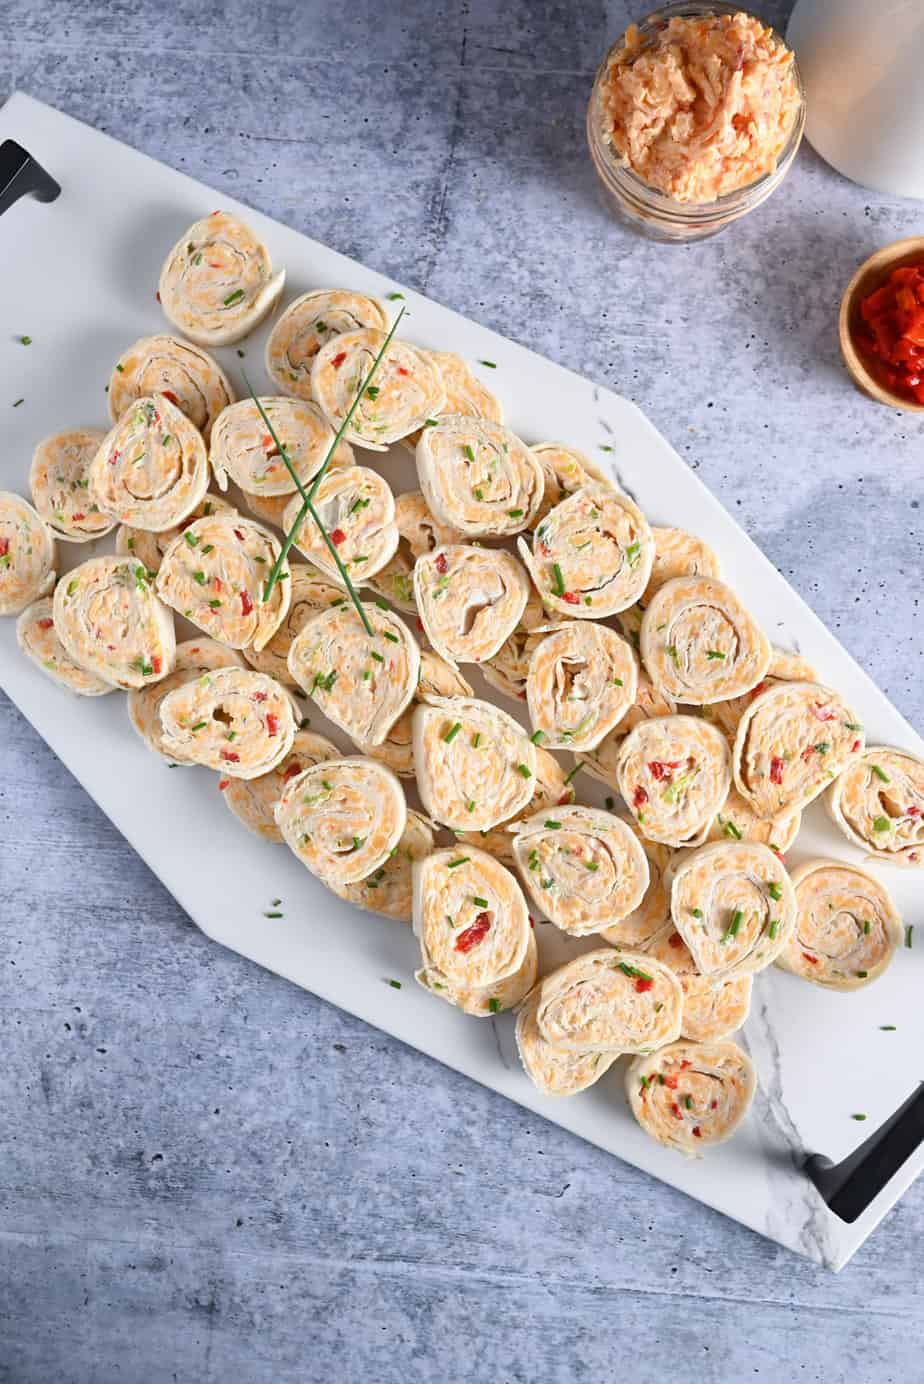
(784, 667)
(217, 283)
(475, 766)
(712, 1009)
(637, 928)
(793, 740)
(483, 1001)
(215, 573)
(507, 670)
(313, 320)
(362, 684)
(582, 680)
(110, 621)
(478, 477)
(469, 600)
(60, 482)
(389, 890)
(674, 774)
(184, 374)
(464, 391)
(243, 448)
(610, 1001)
(733, 904)
(699, 644)
(470, 919)
(309, 593)
(195, 658)
(253, 801)
(847, 927)
(553, 1070)
(343, 818)
(36, 637)
(583, 868)
(564, 470)
(436, 679)
(878, 803)
(591, 554)
(407, 391)
(418, 534)
(149, 548)
(679, 554)
(151, 470)
(357, 508)
(691, 1095)
(27, 554)
(233, 720)
(551, 790)
(737, 821)
(601, 761)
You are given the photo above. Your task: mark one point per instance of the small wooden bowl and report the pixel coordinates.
(870, 276)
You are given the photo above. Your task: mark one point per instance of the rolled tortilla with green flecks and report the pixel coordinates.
(712, 1009)
(699, 644)
(110, 621)
(508, 669)
(309, 593)
(418, 534)
(407, 389)
(233, 720)
(195, 658)
(601, 761)
(691, 1095)
(217, 283)
(357, 509)
(737, 821)
(564, 470)
(674, 774)
(637, 928)
(465, 393)
(552, 788)
(389, 890)
(679, 554)
(310, 322)
(60, 484)
(35, 635)
(27, 554)
(183, 373)
(482, 1002)
(470, 918)
(470, 600)
(475, 766)
(149, 548)
(253, 801)
(437, 678)
(878, 803)
(610, 1001)
(847, 926)
(553, 1070)
(152, 469)
(343, 818)
(784, 667)
(244, 451)
(582, 680)
(478, 477)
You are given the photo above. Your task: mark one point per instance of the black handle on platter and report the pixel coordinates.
(21, 176)
(851, 1186)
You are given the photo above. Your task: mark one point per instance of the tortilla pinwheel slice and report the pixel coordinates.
(183, 373)
(436, 679)
(591, 555)
(243, 448)
(483, 1001)
(309, 593)
(475, 766)
(253, 801)
(149, 548)
(637, 928)
(601, 761)
(470, 918)
(343, 818)
(418, 534)
(582, 680)
(310, 322)
(361, 683)
(784, 667)
(507, 670)
(270, 508)
(195, 658)
(791, 743)
(464, 391)
(553, 1070)
(878, 803)
(733, 904)
(406, 391)
(679, 554)
(27, 554)
(610, 1001)
(564, 470)
(357, 509)
(583, 868)
(470, 600)
(847, 926)
(217, 283)
(110, 621)
(737, 821)
(699, 644)
(60, 483)
(478, 477)
(691, 1095)
(552, 789)
(233, 720)
(712, 1009)
(674, 774)
(36, 637)
(389, 890)
(152, 469)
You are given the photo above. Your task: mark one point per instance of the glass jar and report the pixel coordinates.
(645, 208)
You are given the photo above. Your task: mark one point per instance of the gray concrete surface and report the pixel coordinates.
(206, 1174)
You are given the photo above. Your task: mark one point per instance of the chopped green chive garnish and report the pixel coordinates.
(909, 933)
(524, 771)
(574, 771)
(468, 452)
(592, 865)
(881, 774)
(453, 731)
(200, 725)
(366, 675)
(491, 364)
(234, 297)
(773, 928)
(215, 604)
(515, 513)
(731, 830)
(882, 824)
(714, 653)
(25, 341)
(697, 912)
(775, 890)
(471, 805)
(551, 825)
(208, 548)
(17, 402)
(633, 553)
(861, 975)
(191, 539)
(460, 860)
(274, 915)
(387, 634)
(858, 1117)
(479, 902)
(866, 927)
(476, 739)
(199, 578)
(887, 1028)
(618, 682)
(493, 1005)
(634, 971)
(537, 737)
(559, 587)
(393, 297)
(734, 925)
(395, 984)
(373, 653)
(688, 1102)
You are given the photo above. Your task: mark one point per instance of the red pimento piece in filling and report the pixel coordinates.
(45, 624)
(338, 359)
(807, 753)
(272, 724)
(713, 1105)
(671, 1082)
(246, 603)
(676, 940)
(77, 517)
(642, 985)
(402, 370)
(823, 713)
(157, 295)
(913, 811)
(4, 546)
(776, 770)
(756, 691)
(238, 535)
(854, 747)
(675, 1110)
(697, 1132)
(217, 583)
(169, 394)
(259, 696)
(813, 960)
(572, 598)
(474, 935)
(684, 1064)
(337, 537)
(639, 797)
(661, 769)
(231, 756)
(441, 565)
(291, 771)
(223, 783)
(156, 663)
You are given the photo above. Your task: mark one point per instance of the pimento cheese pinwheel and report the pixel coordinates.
(270, 508)
(464, 391)
(734, 905)
(309, 593)
(357, 509)
(215, 573)
(408, 388)
(470, 918)
(477, 476)
(699, 644)
(878, 803)
(591, 554)
(436, 679)
(470, 600)
(601, 761)
(847, 927)
(582, 680)
(152, 469)
(553, 1070)
(483, 1001)
(784, 667)
(183, 373)
(35, 635)
(508, 668)
(244, 450)
(582, 867)
(311, 322)
(679, 554)
(234, 720)
(691, 1095)
(418, 534)
(60, 483)
(149, 548)
(217, 283)
(737, 821)
(343, 818)
(195, 658)
(253, 801)
(110, 621)
(712, 1009)
(475, 766)
(674, 774)
(564, 470)
(792, 741)
(552, 790)
(362, 684)
(27, 554)
(610, 1001)
(389, 890)
(637, 928)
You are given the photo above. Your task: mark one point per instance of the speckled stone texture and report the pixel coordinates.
(207, 1174)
